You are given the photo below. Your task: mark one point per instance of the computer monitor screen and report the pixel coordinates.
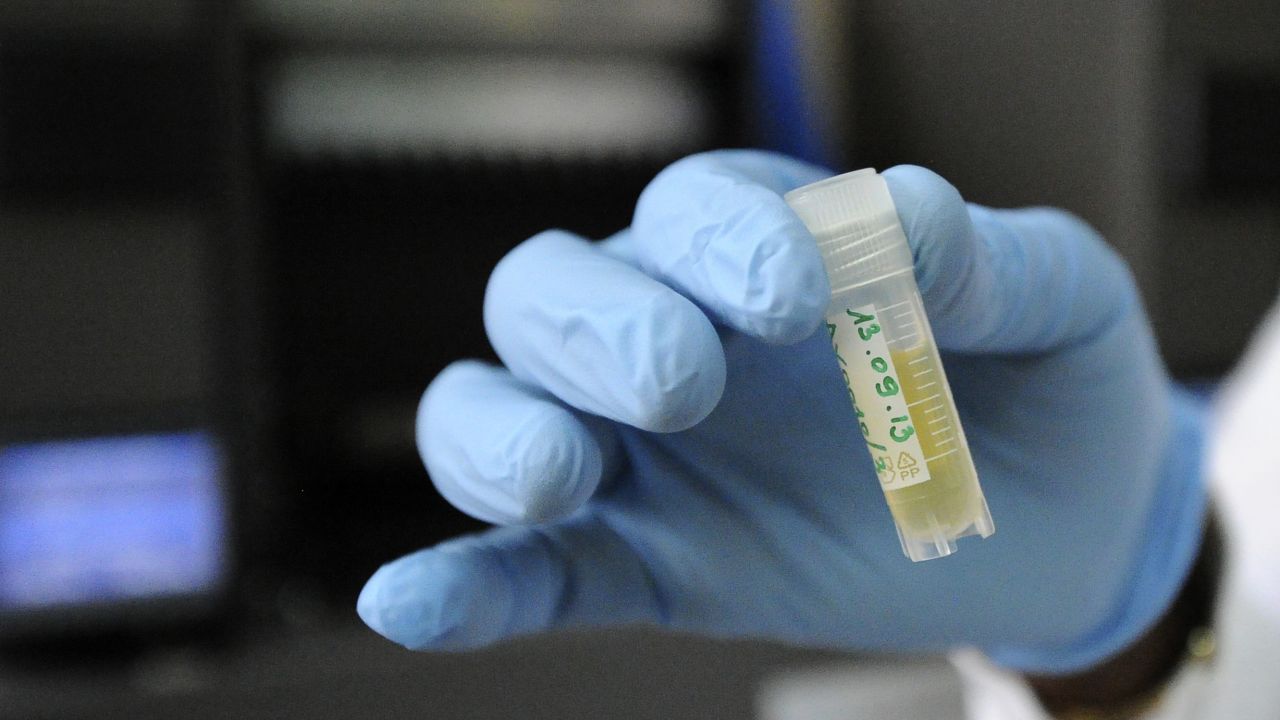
(110, 519)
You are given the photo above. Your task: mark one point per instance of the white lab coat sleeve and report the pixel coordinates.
(1242, 680)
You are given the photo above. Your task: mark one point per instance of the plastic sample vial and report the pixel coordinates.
(886, 352)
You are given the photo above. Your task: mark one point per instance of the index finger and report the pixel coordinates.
(714, 226)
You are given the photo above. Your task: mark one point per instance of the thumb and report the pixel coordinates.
(481, 589)
(1007, 281)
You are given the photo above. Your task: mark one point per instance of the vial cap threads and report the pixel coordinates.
(854, 220)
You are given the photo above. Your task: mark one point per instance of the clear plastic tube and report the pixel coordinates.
(885, 348)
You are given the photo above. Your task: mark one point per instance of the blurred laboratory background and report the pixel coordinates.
(237, 239)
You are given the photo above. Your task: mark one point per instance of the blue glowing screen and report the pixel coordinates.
(108, 519)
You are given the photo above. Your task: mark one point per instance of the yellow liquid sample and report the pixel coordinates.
(951, 500)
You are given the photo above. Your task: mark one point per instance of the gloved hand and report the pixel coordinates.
(671, 442)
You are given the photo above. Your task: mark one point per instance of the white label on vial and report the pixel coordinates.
(878, 400)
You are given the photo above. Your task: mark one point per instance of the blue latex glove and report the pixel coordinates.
(671, 442)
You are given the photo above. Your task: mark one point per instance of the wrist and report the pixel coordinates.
(1162, 535)
(1131, 681)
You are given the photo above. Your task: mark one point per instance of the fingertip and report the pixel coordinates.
(502, 452)
(682, 372)
(715, 227)
(602, 336)
(929, 207)
(437, 600)
(788, 291)
(556, 467)
(760, 271)
(940, 233)
(368, 605)
(912, 183)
